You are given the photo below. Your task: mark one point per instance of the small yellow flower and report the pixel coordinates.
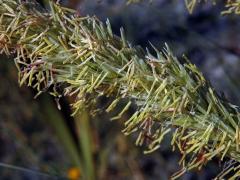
(74, 173)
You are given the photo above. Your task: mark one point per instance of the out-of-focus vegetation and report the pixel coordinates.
(206, 41)
(27, 139)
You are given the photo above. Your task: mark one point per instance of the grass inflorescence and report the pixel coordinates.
(231, 6)
(65, 54)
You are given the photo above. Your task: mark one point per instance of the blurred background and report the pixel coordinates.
(41, 142)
